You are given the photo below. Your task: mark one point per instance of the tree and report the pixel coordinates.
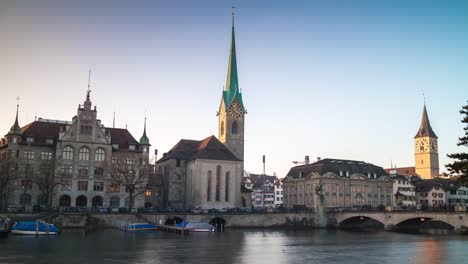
(46, 181)
(8, 173)
(131, 173)
(460, 165)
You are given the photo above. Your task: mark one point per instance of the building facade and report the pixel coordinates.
(62, 163)
(346, 184)
(403, 191)
(278, 193)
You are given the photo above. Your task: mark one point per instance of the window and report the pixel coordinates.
(49, 141)
(28, 170)
(30, 140)
(115, 160)
(66, 185)
(68, 153)
(131, 147)
(218, 183)
(25, 199)
(347, 173)
(67, 170)
(130, 161)
(114, 202)
(98, 186)
(86, 130)
(208, 187)
(15, 140)
(234, 128)
(29, 154)
(26, 184)
(84, 153)
(115, 146)
(178, 163)
(98, 171)
(222, 127)
(113, 188)
(82, 185)
(99, 155)
(83, 171)
(46, 155)
(226, 186)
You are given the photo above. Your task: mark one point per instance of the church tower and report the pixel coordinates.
(426, 154)
(231, 114)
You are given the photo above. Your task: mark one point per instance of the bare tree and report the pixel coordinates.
(46, 180)
(132, 173)
(8, 173)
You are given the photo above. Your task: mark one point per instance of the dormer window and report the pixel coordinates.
(341, 173)
(369, 175)
(49, 141)
(15, 140)
(131, 147)
(347, 173)
(115, 146)
(30, 140)
(375, 175)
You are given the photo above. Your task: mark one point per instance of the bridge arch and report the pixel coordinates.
(424, 222)
(361, 221)
(219, 223)
(172, 220)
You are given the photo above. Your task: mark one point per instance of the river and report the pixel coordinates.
(235, 246)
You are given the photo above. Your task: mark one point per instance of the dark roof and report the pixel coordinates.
(399, 177)
(427, 185)
(209, 148)
(122, 137)
(336, 165)
(42, 130)
(425, 129)
(259, 180)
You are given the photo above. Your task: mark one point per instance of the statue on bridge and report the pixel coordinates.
(320, 211)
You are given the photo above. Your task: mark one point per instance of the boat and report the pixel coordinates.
(141, 226)
(196, 227)
(4, 226)
(33, 228)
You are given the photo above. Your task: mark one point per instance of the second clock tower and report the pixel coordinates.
(426, 153)
(231, 114)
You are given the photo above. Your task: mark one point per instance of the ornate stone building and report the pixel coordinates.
(346, 183)
(208, 173)
(70, 163)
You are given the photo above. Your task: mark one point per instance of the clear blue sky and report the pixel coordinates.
(341, 79)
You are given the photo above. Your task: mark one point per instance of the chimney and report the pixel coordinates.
(156, 154)
(318, 158)
(306, 160)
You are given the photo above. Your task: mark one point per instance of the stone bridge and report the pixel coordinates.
(393, 220)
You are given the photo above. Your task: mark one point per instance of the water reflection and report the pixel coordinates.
(235, 246)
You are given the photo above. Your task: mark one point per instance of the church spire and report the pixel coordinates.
(16, 129)
(144, 140)
(425, 129)
(232, 89)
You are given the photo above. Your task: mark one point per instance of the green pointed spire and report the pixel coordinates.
(16, 129)
(232, 89)
(144, 140)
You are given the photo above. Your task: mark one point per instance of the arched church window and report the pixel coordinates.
(218, 183)
(234, 128)
(222, 127)
(208, 187)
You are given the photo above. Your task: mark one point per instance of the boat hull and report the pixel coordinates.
(201, 230)
(29, 232)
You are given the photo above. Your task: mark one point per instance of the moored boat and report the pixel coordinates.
(33, 228)
(141, 226)
(197, 227)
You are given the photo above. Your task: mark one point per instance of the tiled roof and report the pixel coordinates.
(425, 129)
(259, 180)
(336, 165)
(41, 130)
(427, 185)
(210, 148)
(402, 170)
(122, 137)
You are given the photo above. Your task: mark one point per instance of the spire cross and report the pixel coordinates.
(424, 98)
(233, 14)
(89, 86)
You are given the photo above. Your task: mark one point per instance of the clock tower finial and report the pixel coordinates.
(426, 155)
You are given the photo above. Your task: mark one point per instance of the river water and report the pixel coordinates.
(235, 246)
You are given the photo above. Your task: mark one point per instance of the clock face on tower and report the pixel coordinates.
(433, 145)
(422, 145)
(235, 110)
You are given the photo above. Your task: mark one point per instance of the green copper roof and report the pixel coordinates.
(232, 83)
(16, 129)
(144, 140)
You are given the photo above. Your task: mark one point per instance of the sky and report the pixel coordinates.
(331, 79)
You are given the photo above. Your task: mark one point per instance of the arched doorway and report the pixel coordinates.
(81, 201)
(65, 200)
(218, 223)
(97, 201)
(173, 220)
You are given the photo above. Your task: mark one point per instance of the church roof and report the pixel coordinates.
(122, 137)
(335, 166)
(209, 148)
(15, 129)
(425, 129)
(144, 140)
(232, 89)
